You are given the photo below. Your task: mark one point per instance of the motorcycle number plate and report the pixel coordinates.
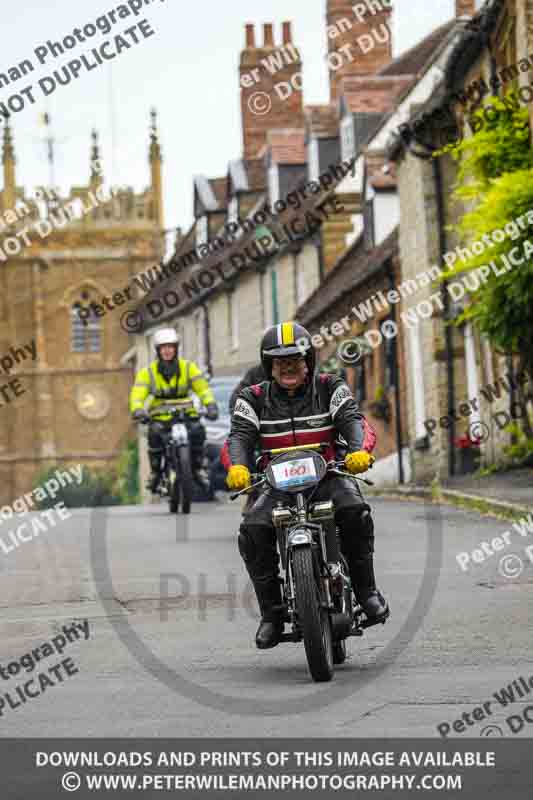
(294, 473)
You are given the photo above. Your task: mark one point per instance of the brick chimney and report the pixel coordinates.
(465, 8)
(271, 86)
(365, 28)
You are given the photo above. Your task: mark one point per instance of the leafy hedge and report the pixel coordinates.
(111, 487)
(95, 489)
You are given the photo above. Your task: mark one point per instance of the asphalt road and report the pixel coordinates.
(171, 626)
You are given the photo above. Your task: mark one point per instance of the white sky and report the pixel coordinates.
(188, 70)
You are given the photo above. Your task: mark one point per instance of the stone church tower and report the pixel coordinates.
(64, 383)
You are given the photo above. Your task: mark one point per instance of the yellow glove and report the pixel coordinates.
(359, 461)
(238, 477)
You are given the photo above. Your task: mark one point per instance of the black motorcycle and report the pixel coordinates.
(318, 597)
(177, 478)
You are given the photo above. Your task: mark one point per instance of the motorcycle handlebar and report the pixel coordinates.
(147, 418)
(258, 478)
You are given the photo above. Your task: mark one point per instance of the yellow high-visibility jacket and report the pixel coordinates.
(177, 391)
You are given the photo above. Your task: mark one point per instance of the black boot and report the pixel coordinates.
(376, 607)
(155, 466)
(257, 546)
(364, 584)
(268, 634)
(268, 593)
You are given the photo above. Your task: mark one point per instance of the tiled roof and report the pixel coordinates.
(372, 94)
(413, 61)
(188, 241)
(223, 258)
(246, 175)
(353, 269)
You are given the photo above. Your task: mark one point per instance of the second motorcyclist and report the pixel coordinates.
(169, 379)
(296, 406)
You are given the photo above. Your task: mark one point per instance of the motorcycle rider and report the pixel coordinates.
(167, 379)
(297, 405)
(252, 376)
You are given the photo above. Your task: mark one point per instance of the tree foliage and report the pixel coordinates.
(495, 181)
(500, 144)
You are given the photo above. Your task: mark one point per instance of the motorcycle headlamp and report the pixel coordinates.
(179, 433)
(300, 536)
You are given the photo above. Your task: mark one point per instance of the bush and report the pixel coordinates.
(127, 480)
(521, 452)
(95, 489)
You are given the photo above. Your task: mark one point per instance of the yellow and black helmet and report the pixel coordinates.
(285, 340)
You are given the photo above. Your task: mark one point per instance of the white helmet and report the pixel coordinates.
(166, 336)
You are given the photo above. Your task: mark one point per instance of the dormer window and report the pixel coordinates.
(273, 184)
(314, 160)
(202, 231)
(347, 138)
(233, 209)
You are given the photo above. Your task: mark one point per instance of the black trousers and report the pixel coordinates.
(257, 540)
(158, 432)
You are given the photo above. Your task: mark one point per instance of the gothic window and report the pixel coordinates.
(86, 330)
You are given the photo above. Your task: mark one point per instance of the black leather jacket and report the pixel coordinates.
(320, 412)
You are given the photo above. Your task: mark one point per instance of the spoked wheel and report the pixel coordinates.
(185, 478)
(314, 619)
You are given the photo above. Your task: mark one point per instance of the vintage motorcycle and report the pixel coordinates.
(318, 597)
(177, 479)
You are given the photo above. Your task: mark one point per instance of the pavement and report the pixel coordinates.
(513, 486)
(507, 495)
(172, 619)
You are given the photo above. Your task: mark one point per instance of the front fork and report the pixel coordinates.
(171, 466)
(324, 578)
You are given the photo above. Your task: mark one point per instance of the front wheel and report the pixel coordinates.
(184, 476)
(174, 493)
(314, 619)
